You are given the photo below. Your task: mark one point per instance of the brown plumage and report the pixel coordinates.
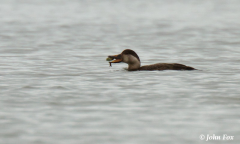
(131, 58)
(166, 66)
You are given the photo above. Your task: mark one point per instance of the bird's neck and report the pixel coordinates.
(133, 62)
(134, 66)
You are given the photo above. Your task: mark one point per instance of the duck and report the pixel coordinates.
(134, 64)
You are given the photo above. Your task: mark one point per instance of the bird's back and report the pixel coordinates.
(166, 66)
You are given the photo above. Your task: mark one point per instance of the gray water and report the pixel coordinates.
(57, 87)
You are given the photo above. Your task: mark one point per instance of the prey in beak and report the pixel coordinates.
(114, 59)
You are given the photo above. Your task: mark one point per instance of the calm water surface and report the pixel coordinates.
(57, 88)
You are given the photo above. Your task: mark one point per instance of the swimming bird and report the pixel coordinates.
(131, 58)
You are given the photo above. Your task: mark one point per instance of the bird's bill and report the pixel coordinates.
(115, 58)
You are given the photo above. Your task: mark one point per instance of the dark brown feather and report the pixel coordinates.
(130, 52)
(166, 66)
